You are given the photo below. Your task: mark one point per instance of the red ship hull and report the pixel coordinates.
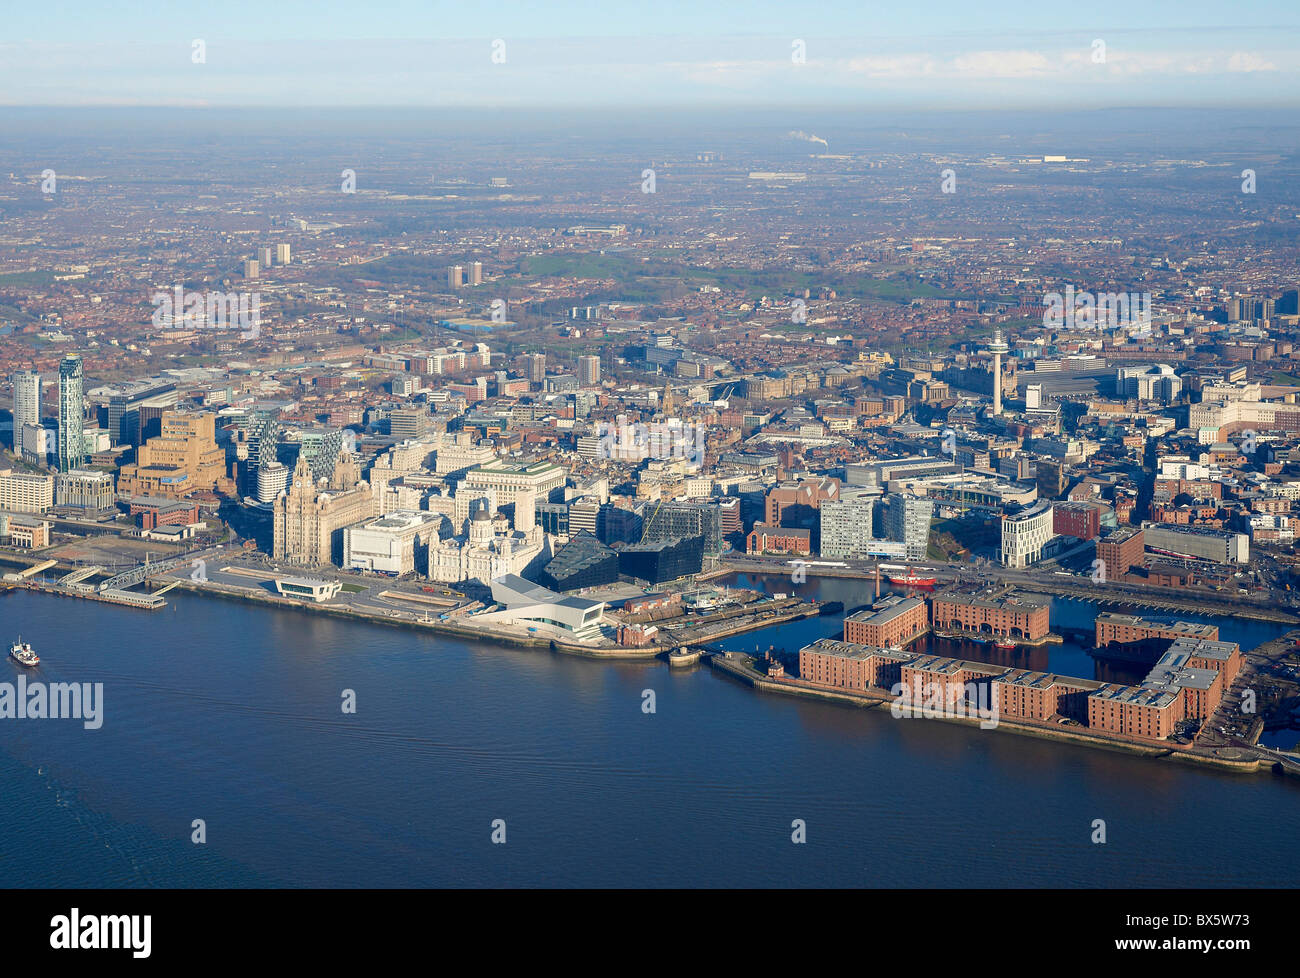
(913, 581)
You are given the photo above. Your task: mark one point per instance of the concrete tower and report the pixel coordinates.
(27, 403)
(997, 348)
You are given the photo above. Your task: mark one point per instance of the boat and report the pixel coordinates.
(1004, 646)
(911, 580)
(23, 654)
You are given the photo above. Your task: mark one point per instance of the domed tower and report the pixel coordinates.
(480, 527)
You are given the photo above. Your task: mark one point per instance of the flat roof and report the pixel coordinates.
(854, 650)
(891, 611)
(1205, 648)
(311, 582)
(1191, 629)
(1139, 695)
(1028, 602)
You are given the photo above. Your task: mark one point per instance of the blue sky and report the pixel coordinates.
(944, 55)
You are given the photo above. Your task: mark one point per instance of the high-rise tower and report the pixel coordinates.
(998, 347)
(27, 403)
(72, 409)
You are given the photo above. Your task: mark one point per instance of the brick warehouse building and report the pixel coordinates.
(850, 666)
(1133, 632)
(1001, 613)
(1172, 692)
(1134, 711)
(1224, 657)
(779, 540)
(1042, 695)
(152, 512)
(894, 621)
(1120, 551)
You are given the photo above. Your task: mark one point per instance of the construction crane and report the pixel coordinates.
(645, 527)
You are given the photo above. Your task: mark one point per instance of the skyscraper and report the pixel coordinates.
(588, 371)
(997, 348)
(536, 367)
(72, 408)
(27, 403)
(264, 257)
(476, 273)
(124, 421)
(282, 254)
(454, 276)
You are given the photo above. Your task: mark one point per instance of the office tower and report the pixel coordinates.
(476, 273)
(1289, 304)
(272, 479)
(84, 489)
(536, 367)
(1025, 533)
(907, 521)
(27, 402)
(261, 433)
(321, 448)
(998, 347)
(251, 268)
(264, 257)
(588, 371)
(26, 492)
(1033, 397)
(72, 407)
(282, 254)
(454, 276)
(408, 422)
(185, 457)
(125, 422)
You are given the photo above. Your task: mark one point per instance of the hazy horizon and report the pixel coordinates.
(574, 53)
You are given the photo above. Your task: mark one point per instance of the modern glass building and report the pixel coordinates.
(124, 416)
(663, 560)
(72, 410)
(584, 562)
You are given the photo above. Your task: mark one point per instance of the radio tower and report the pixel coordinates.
(997, 348)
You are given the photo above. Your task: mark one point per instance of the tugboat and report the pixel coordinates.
(23, 654)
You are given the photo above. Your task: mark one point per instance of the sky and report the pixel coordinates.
(933, 54)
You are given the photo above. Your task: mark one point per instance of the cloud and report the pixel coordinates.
(1246, 61)
(897, 66)
(1002, 64)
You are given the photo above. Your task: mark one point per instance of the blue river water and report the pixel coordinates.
(231, 713)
